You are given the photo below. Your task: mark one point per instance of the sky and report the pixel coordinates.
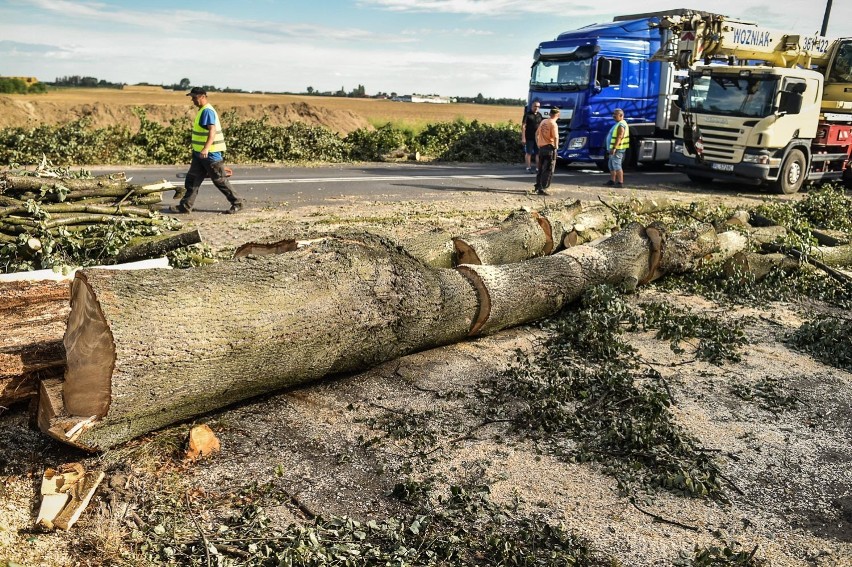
(445, 47)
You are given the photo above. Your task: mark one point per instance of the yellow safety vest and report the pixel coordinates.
(199, 132)
(625, 141)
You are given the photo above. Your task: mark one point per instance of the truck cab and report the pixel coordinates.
(591, 71)
(753, 123)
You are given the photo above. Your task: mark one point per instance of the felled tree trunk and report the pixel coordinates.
(518, 238)
(519, 293)
(147, 350)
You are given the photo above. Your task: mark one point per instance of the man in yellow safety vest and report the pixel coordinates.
(618, 140)
(208, 143)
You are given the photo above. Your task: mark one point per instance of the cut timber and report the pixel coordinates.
(433, 248)
(519, 293)
(590, 224)
(827, 237)
(560, 221)
(81, 493)
(148, 349)
(202, 442)
(32, 323)
(519, 237)
(759, 265)
(153, 246)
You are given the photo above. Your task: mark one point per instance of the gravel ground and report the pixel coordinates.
(790, 471)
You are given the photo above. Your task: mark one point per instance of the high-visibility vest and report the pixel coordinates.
(625, 141)
(199, 132)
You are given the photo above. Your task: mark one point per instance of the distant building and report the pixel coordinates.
(435, 99)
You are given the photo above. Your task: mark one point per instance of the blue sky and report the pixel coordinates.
(447, 47)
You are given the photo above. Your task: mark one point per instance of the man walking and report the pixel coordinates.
(547, 138)
(529, 126)
(208, 143)
(618, 140)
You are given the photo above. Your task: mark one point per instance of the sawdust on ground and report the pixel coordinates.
(792, 470)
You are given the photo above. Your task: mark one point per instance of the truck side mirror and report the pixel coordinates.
(790, 103)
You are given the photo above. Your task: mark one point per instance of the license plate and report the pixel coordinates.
(722, 166)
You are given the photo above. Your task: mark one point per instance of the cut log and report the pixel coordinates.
(560, 221)
(519, 237)
(759, 265)
(146, 350)
(837, 256)
(589, 224)
(154, 246)
(434, 248)
(827, 237)
(149, 349)
(32, 324)
(519, 293)
(21, 183)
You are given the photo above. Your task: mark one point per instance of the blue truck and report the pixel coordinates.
(589, 72)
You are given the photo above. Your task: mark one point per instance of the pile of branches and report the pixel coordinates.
(54, 217)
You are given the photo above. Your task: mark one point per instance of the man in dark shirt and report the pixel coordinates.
(529, 126)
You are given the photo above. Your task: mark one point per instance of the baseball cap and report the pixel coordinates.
(196, 91)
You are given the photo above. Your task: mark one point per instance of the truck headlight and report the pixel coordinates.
(762, 159)
(577, 143)
(678, 148)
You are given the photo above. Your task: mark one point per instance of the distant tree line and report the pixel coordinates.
(85, 82)
(11, 85)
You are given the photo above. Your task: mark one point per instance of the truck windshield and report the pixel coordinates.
(731, 95)
(561, 75)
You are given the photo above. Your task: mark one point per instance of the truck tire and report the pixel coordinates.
(847, 177)
(793, 173)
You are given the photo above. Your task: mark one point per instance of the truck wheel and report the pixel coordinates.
(699, 179)
(847, 177)
(793, 173)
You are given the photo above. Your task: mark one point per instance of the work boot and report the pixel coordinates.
(610, 183)
(235, 208)
(619, 185)
(180, 209)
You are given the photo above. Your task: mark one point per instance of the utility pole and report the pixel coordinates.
(825, 17)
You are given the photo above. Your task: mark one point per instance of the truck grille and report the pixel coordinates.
(721, 144)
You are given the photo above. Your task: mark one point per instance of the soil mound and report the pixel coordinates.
(16, 111)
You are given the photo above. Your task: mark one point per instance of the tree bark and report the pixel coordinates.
(141, 248)
(519, 237)
(147, 350)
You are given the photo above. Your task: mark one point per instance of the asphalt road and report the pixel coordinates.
(262, 186)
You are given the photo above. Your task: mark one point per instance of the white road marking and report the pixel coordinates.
(375, 178)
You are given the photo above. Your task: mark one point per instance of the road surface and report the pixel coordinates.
(265, 186)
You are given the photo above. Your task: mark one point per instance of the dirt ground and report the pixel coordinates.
(111, 107)
(792, 469)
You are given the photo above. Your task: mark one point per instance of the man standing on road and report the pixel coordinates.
(208, 143)
(547, 138)
(529, 126)
(618, 140)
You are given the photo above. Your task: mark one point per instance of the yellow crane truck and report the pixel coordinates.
(760, 106)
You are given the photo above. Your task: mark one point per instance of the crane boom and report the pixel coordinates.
(702, 37)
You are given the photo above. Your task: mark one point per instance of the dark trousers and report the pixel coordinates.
(201, 168)
(547, 154)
